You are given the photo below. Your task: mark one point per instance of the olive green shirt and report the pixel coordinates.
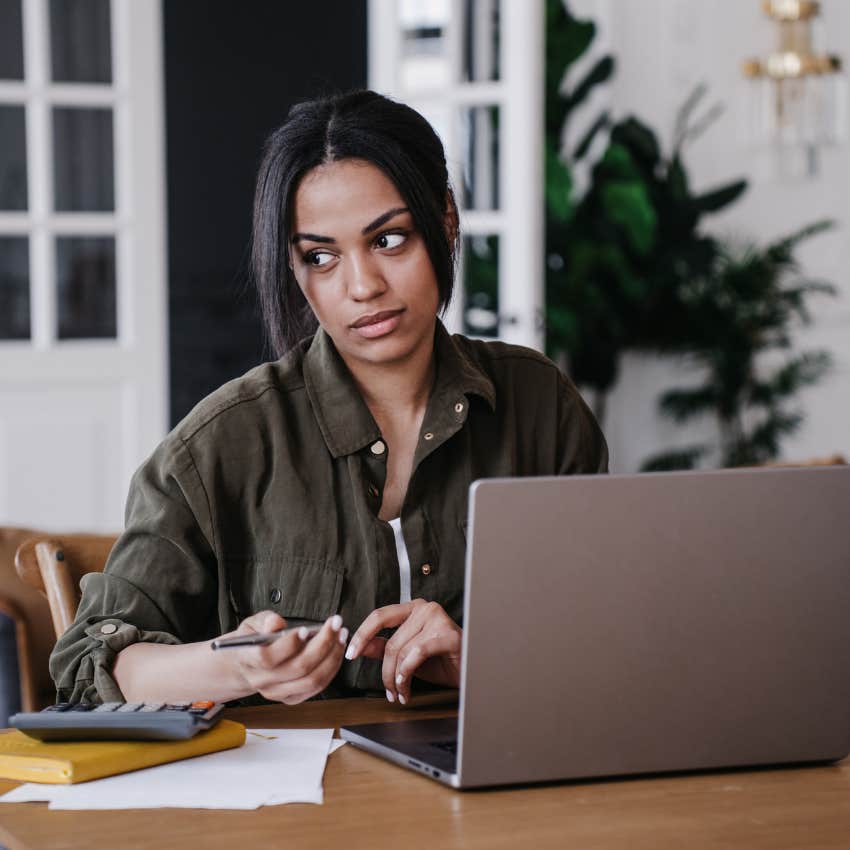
(266, 496)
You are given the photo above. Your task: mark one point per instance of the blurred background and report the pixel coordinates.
(654, 193)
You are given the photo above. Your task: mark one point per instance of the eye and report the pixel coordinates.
(390, 240)
(318, 258)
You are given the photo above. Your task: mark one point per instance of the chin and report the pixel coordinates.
(385, 350)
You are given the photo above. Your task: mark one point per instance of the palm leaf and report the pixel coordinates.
(686, 458)
(600, 123)
(719, 198)
(681, 405)
(599, 73)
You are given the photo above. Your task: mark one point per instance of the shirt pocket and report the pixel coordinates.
(302, 590)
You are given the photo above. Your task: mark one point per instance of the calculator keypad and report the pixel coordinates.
(152, 720)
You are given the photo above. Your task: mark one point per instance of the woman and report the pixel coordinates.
(330, 486)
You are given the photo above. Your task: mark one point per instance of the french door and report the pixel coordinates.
(83, 392)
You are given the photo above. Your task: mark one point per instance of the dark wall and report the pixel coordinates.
(232, 70)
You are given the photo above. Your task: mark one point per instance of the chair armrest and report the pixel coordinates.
(42, 565)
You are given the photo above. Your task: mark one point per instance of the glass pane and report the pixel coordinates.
(14, 288)
(85, 276)
(425, 62)
(481, 40)
(13, 158)
(423, 25)
(83, 160)
(80, 44)
(481, 285)
(11, 41)
(479, 146)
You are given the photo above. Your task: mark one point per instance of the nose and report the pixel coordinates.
(365, 279)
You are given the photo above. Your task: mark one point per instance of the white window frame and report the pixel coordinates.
(519, 95)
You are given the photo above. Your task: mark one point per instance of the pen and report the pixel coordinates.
(261, 638)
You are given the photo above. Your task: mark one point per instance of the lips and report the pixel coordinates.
(377, 325)
(375, 318)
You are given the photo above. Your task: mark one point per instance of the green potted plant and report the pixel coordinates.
(625, 260)
(744, 310)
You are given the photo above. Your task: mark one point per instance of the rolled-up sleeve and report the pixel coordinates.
(159, 584)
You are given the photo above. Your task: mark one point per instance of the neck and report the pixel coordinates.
(397, 390)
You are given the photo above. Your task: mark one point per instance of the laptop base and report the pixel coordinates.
(417, 744)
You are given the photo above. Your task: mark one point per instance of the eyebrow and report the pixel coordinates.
(383, 219)
(374, 225)
(311, 237)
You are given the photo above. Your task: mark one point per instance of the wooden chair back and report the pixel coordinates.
(30, 614)
(54, 566)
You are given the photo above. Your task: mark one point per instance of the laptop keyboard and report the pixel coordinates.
(446, 746)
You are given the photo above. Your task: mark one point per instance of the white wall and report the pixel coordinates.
(663, 48)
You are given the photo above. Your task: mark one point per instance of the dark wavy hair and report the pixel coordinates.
(358, 125)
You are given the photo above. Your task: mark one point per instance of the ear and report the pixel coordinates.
(451, 221)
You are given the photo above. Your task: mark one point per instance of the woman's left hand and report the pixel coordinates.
(427, 642)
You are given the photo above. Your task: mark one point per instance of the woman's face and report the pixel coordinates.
(361, 265)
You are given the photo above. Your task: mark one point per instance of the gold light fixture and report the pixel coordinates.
(797, 94)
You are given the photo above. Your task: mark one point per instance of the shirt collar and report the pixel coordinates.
(343, 417)
(457, 371)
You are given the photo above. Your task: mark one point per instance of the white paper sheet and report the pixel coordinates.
(274, 766)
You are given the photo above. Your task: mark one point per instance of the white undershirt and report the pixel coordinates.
(403, 561)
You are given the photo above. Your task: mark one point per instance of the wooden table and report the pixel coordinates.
(372, 804)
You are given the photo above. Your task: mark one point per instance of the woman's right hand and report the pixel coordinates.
(292, 668)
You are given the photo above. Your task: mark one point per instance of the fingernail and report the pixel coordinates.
(302, 633)
(390, 697)
(399, 679)
(351, 651)
(336, 622)
(401, 699)
(343, 636)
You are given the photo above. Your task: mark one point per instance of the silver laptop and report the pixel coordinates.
(632, 624)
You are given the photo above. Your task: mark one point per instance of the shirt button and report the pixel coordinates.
(275, 595)
(428, 436)
(459, 407)
(108, 628)
(426, 569)
(378, 448)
